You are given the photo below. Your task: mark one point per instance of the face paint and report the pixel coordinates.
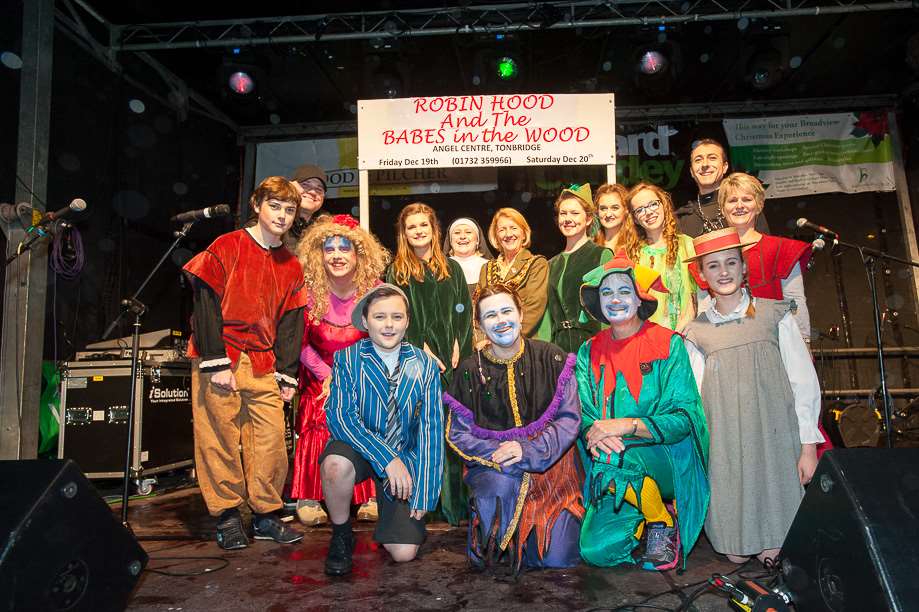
(338, 256)
(500, 319)
(619, 300)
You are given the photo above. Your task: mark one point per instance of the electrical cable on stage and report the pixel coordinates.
(207, 570)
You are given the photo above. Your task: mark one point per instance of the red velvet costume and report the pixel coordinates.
(769, 262)
(254, 294)
(325, 338)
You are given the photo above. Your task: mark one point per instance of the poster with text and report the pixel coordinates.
(482, 131)
(807, 154)
(338, 157)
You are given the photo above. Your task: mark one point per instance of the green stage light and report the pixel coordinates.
(507, 68)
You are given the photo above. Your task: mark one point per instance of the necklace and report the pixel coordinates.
(709, 225)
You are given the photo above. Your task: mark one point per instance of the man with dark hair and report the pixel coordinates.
(708, 164)
(386, 419)
(248, 319)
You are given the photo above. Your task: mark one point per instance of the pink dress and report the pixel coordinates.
(320, 341)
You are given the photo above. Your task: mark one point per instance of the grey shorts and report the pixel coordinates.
(395, 524)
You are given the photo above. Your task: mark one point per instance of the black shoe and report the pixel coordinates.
(230, 533)
(338, 562)
(270, 527)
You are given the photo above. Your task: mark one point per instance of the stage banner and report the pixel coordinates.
(338, 157)
(801, 155)
(481, 131)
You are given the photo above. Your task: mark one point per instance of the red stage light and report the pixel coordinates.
(241, 83)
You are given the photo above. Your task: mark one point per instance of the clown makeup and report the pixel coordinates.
(339, 257)
(724, 271)
(741, 209)
(500, 319)
(619, 300)
(464, 240)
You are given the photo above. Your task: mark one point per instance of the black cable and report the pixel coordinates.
(675, 591)
(207, 570)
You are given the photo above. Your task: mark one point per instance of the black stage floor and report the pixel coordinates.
(276, 578)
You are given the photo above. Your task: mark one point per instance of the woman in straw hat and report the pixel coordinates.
(642, 426)
(762, 403)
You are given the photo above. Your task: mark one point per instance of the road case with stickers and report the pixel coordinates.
(95, 398)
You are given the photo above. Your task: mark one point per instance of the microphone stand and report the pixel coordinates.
(869, 259)
(39, 233)
(138, 309)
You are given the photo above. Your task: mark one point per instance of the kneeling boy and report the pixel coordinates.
(386, 419)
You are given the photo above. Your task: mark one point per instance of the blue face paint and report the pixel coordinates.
(500, 319)
(340, 242)
(618, 299)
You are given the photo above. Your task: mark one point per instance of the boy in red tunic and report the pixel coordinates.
(248, 321)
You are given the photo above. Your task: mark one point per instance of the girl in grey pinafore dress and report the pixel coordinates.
(755, 440)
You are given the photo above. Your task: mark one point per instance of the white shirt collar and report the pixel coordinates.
(738, 313)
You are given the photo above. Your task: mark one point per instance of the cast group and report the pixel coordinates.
(650, 380)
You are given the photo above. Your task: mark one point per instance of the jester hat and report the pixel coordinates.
(643, 278)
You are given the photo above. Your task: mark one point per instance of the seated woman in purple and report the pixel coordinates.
(513, 418)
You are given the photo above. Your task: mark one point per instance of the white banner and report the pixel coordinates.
(482, 131)
(338, 157)
(805, 154)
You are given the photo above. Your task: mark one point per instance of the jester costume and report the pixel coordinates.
(529, 513)
(645, 376)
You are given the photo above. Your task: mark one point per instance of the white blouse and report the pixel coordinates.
(805, 386)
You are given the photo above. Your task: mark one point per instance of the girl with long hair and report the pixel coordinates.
(613, 214)
(656, 244)
(440, 311)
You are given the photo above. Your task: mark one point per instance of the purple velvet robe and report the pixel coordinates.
(529, 513)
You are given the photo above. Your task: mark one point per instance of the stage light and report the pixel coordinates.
(765, 69)
(507, 68)
(241, 83)
(652, 62)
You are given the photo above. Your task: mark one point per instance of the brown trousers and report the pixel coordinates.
(252, 417)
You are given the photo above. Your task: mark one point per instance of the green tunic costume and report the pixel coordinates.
(647, 376)
(441, 313)
(570, 327)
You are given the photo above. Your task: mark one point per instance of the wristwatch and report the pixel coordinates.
(634, 427)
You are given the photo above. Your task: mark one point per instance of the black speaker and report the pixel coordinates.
(854, 543)
(61, 548)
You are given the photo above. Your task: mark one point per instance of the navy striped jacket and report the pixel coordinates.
(356, 414)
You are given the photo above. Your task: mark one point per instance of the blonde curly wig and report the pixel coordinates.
(372, 259)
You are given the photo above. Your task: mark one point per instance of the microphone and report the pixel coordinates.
(220, 210)
(802, 222)
(816, 246)
(76, 205)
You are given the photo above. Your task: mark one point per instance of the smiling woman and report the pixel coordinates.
(653, 241)
(516, 267)
(574, 214)
(440, 315)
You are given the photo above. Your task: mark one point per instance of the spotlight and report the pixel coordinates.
(652, 62)
(765, 69)
(506, 68)
(241, 83)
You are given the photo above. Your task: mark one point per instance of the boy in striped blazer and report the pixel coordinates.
(385, 415)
